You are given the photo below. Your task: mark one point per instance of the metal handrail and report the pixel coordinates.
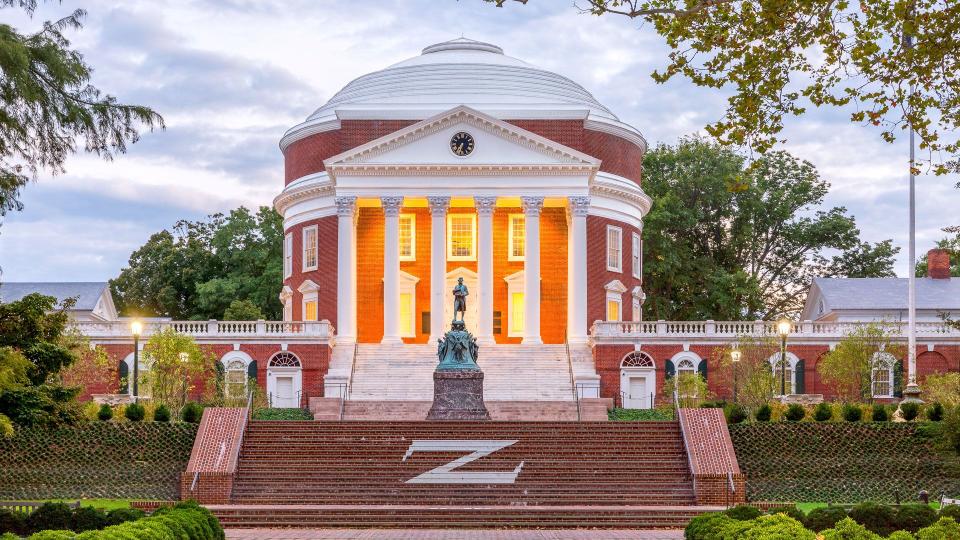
(353, 367)
(683, 435)
(573, 383)
(343, 398)
(731, 488)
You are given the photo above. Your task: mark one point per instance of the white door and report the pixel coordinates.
(638, 397)
(284, 397)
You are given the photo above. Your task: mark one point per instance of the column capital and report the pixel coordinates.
(532, 206)
(438, 205)
(578, 206)
(346, 205)
(485, 205)
(391, 205)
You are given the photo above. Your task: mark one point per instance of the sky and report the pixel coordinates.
(230, 76)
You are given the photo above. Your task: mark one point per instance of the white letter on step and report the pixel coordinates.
(445, 474)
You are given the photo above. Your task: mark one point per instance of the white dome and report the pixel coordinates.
(460, 72)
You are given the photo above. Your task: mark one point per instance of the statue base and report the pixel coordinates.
(458, 395)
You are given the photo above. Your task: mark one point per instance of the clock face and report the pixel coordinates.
(461, 143)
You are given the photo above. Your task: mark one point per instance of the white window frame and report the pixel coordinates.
(144, 390)
(791, 373)
(515, 284)
(615, 290)
(412, 218)
(635, 255)
(515, 220)
(305, 248)
(229, 358)
(882, 361)
(310, 291)
(619, 247)
(408, 285)
(287, 255)
(473, 245)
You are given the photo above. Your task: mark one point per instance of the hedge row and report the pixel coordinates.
(186, 521)
(96, 460)
(781, 526)
(61, 516)
(842, 462)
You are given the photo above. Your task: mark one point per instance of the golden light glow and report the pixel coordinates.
(136, 327)
(735, 355)
(783, 327)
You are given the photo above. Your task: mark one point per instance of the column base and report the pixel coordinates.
(911, 394)
(486, 340)
(533, 340)
(578, 340)
(391, 340)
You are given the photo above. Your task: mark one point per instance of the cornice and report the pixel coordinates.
(311, 189)
(306, 129)
(623, 131)
(461, 169)
(619, 191)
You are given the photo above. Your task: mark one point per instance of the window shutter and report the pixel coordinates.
(122, 373)
(252, 370)
(798, 372)
(702, 369)
(669, 369)
(898, 379)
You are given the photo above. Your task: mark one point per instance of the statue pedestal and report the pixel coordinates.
(458, 395)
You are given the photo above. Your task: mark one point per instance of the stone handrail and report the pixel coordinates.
(211, 329)
(732, 329)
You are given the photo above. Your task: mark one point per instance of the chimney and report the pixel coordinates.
(938, 264)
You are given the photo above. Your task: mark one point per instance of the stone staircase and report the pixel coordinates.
(531, 474)
(591, 409)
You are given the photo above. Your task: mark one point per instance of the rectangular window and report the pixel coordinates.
(516, 235)
(516, 314)
(614, 249)
(613, 310)
(881, 383)
(236, 383)
(406, 315)
(778, 379)
(287, 255)
(310, 310)
(408, 237)
(635, 255)
(461, 237)
(310, 248)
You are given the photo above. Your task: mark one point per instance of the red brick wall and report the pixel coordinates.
(619, 156)
(306, 156)
(597, 274)
(326, 273)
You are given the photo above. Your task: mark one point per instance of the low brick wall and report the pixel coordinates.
(713, 463)
(213, 462)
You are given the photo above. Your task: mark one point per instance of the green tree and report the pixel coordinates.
(49, 105)
(753, 372)
(175, 361)
(780, 58)
(728, 241)
(197, 270)
(848, 367)
(242, 310)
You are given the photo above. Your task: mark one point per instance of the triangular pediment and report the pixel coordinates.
(426, 145)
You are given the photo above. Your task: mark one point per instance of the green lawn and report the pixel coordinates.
(808, 506)
(102, 504)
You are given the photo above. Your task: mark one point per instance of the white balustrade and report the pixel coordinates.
(210, 329)
(732, 329)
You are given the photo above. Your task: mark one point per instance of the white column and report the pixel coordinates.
(485, 208)
(577, 208)
(346, 270)
(391, 270)
(531, 269)
(438, 264)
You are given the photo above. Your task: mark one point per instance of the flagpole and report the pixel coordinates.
(912, 391)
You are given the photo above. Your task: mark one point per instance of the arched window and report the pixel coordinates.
(637, 359)
(126, 375)
(776, 364)
(881, 374)
(284, 359)
(235, 384)
(685, 367)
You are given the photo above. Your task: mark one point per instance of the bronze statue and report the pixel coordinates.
(460, 293)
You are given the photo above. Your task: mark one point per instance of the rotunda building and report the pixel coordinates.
(462, 163)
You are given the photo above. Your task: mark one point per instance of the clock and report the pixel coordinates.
(461, 144)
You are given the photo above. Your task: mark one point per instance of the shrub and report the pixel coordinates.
(105, 413)
(56, 516)
(944, 529)
(706, 526)
(135, 412)
(901, 535)
(777, 527)
(791, 511)
(735, 413)
(823, 518)
(935, 412)
(913, 517)
(910, 410)
(12, 522)
(879, 413)
(88, 519)
(743, 512)
(879, 518)
(161, 414)
(122, 515)
(848, 529)
(823, 412)
(192, 412)
(951, 511)
(54, 535)
(795, 412)
(852, 413)
(763, 413)
(9, 536)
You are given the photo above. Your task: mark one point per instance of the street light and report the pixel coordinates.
(735, 356)
(783, 328)
(136, 328)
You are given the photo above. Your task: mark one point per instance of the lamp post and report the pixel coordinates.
(735, 357)
(783, 328)
(136, 327)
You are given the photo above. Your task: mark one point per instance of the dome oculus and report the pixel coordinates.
(461, 144)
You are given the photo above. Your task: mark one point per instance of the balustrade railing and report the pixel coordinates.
(731, 329)
(209, 329)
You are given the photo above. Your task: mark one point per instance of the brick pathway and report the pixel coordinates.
(421, 534)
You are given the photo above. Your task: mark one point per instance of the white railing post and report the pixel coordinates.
(711, 327)
(261, 327)
(211, 327)
(806, 327)
(661, 327)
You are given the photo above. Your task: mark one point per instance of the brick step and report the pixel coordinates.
(451, 517)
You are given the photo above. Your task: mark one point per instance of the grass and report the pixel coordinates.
(808, 506)
(102, 504)
(282, 414)
(640, 415)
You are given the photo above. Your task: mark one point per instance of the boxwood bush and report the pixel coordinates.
(185, 521)
(878, 518)
(161, 414)
(795, 412)
(879, 413)
(192, 412)
(935, 412)
(852, 413)
(825, 517)
(823, 412)
(763, 413)
(135, 412)
(105, 413)
(910, 410)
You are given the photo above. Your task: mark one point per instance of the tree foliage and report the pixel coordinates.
(847, 368)
(754, 376)
(728, 241)
(176, 362)
(201, 267)
(780, 58)
(49, 105)
(242, 310)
